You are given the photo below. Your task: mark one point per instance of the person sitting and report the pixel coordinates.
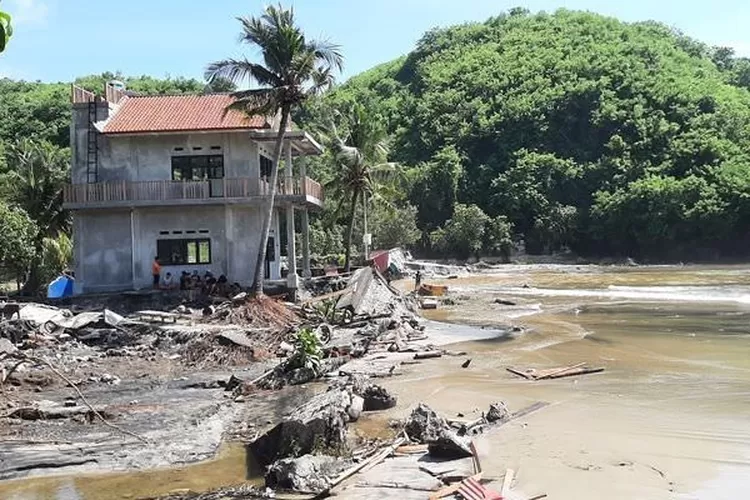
(168, 282)
(222, 286)
(184, 280)
(209, 286)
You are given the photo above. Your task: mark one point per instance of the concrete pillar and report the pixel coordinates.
(305, 244)
(288, 168)
(292, 281)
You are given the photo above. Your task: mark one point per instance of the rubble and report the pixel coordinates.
(318, 425)
(309, 473)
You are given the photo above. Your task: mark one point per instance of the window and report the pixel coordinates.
(265, 166)
(197, 168)
(187, 251)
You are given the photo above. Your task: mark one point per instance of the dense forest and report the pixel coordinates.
(552, 132)
(587, 133)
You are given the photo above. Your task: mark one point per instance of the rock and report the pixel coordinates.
(449, 445)
(309, 473)
(497, 413)
(233, 383)
(355, 408)
(6, 346)
(504, 302)
(466, 363)
(320, 423)
(378, 398)
(209, 310)
(424, 425)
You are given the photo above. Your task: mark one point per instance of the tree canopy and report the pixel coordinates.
(586, 132)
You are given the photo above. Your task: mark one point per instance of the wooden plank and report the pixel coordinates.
(581, 371)
(428, 354)
(507, 482)
(555, 371)
(453, 488)
(411, 449)
(475, 457)
(520, 373)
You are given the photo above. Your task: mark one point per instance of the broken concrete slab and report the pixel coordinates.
(318, 424)
(449, 445)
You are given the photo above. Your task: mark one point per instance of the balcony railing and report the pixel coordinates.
(300, 190)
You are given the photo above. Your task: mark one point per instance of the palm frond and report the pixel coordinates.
(327, 51)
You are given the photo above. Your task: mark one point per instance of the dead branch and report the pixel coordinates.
(25, 357)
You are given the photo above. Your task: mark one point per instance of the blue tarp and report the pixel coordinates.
(60, 288)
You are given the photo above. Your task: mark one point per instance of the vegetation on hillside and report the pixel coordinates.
(564, 131)
(585, 132)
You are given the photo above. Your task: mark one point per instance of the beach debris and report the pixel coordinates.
(498, 412)
(553, 373)
(505, 302)
(432, 290)
(429, 303)
(453, 489)
(309, 473)
(319, 423)
(428, 354)
(449, 445)
(377, 398)
(424, 425)
(472, 489)
(466, 363)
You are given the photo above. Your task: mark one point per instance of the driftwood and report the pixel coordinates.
(428, 354)
(553, 373)
(412, 449)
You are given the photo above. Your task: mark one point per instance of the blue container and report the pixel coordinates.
(60, 288)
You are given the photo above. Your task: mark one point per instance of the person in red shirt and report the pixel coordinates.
(156, 271)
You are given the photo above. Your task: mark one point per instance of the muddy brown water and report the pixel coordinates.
(668, 419)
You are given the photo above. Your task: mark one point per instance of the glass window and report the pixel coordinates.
(176, 252)
(197, 168)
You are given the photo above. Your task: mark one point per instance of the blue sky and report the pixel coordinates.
(57, 40)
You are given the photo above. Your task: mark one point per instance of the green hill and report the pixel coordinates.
(587, 132)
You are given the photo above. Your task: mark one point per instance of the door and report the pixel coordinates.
(216, 176)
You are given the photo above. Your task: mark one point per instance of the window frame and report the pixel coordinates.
(208, 165)
(165, 249)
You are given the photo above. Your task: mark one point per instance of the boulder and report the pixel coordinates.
(449, 445)
(378, 398)
(498, 412)
(309, 473)
(318, 424)
(424, 425)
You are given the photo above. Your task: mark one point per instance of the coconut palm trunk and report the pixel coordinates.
(350, 232)
(269, 208)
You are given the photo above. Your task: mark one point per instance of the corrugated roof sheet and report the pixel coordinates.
(179, 113)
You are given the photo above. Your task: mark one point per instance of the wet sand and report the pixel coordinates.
(668, 419)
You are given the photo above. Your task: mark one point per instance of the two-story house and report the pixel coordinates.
(181, 178)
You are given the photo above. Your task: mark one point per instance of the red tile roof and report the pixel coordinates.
(178, 113)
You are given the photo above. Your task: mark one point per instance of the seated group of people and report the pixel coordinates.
(194, 283)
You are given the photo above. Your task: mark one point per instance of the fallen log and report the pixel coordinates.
(428, 354)
(556, 371)
(580, 371)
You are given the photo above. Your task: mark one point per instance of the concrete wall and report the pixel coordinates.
(149, 157)
(114, 249)
(103, 259)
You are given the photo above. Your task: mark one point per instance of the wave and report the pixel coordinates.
(726, 294)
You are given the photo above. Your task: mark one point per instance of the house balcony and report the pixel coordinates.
(246, 190)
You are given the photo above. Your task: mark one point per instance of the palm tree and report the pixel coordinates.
(292, 69)
(363, 172)
(37, 171)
